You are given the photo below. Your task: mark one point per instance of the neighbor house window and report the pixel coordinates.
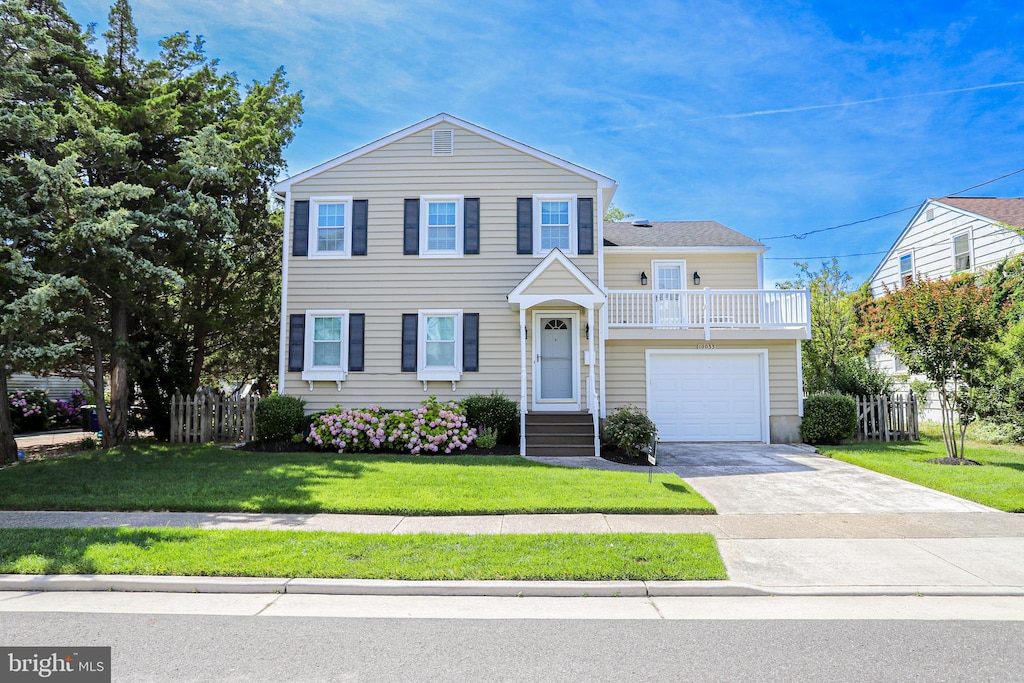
(555, 223)
(441, 226)
(440, 347)
(331, 235)
(906, 268)
(326, 345)
(962, 252)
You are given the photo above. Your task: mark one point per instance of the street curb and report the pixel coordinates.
(383, 587)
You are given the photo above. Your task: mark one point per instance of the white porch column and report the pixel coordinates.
(592, 402)
(522, 381)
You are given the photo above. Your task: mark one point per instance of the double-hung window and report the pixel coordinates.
(555, 223)
(441, 226)
(906, 268)
(440, 345)
(326, 350)
(962, 252)
(330, 235)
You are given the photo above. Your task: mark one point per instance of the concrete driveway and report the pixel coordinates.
(782, 479)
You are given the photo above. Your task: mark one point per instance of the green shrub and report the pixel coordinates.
(497, 412)
(30, 410)
(828, 418)
(855, 376)
(487, 438)
(278, 417)
(631, 430)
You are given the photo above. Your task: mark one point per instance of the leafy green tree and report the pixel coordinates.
(943, 329)
(831, 359)
(614, 213)
(1000, 398)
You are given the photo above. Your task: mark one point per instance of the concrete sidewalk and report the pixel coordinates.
(973, 553)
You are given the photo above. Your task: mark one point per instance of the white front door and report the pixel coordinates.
(555, 383)
(668, 282)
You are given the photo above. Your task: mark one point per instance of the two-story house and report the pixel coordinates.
(447, 259)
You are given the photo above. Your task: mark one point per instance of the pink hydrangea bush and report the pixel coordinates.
(432, 428)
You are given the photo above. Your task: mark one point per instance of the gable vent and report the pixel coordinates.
(930, 214)
(444, 143)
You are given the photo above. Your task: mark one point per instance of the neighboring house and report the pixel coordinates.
(947, 236)
(55, 386)
(446, 259)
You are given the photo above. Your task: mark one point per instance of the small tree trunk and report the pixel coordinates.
(8, 446)
(119, 386)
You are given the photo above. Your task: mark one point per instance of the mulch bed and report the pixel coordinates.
(954, 461)
(614, 454)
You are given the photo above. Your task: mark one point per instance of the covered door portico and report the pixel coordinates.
(561, 305)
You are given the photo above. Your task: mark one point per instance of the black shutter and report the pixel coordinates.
(296, 341)
(356, 332)
(524, 225)
(585, 225)
(471, 226)
(410, 326)
(471, 342)
(300, 228)
(359, 211)
(412, 227)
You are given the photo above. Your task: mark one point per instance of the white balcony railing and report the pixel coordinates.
(711, 309)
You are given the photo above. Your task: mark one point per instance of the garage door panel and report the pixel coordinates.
(706, 397)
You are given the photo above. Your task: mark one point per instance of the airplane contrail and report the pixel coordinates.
(813, 107)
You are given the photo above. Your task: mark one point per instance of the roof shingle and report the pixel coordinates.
(675, 234)
(1000, 210)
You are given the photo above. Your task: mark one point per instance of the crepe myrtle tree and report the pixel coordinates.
(942, 329)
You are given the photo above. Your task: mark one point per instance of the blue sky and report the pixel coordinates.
(774, 118)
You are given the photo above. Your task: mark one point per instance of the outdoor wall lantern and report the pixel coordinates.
(586, 330)
(696, 279)
(643, 278)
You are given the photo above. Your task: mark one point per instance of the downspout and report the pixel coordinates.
(282, 359)
(522, 380)
(601, 323)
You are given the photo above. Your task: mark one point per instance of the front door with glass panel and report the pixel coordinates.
(670, 306)
(555, 373)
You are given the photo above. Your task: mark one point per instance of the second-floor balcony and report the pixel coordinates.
(710, 309)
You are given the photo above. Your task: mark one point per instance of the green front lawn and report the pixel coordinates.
(999, 482)
(191, 552)
(212, 479)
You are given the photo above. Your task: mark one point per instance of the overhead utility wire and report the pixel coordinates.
(803, 235)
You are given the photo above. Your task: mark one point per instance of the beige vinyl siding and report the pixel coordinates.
(627, 370)
(717, 271)
(556, 279)
(385, 284)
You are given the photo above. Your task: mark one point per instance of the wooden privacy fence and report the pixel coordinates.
(887, 418)
(211, 416)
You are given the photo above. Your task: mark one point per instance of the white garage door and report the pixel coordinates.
(706, 397)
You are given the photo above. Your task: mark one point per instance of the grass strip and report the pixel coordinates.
(206, 478)
(237, 552)
(998, 483)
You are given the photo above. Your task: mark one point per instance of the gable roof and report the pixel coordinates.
(583, 291)
(999, 210)
(601, 180)
(993, 209)
(675, 234)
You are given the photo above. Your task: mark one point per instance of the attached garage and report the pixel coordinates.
(719, 395)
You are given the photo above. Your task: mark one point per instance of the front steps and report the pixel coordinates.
(560, 434)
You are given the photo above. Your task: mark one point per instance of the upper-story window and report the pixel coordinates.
(331, 234)
(441, 226)
(962, 252)
(906, 268)
(555, 223)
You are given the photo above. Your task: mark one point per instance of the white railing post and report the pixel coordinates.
(707, 313)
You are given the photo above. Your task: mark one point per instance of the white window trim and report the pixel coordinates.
(448, 374)
(573, 225)
(425, 251)
(899, 267)
(314, 203)
(682, 273)
(334, 373)
(970, 250)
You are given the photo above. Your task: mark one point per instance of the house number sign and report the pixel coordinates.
(707, 347)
